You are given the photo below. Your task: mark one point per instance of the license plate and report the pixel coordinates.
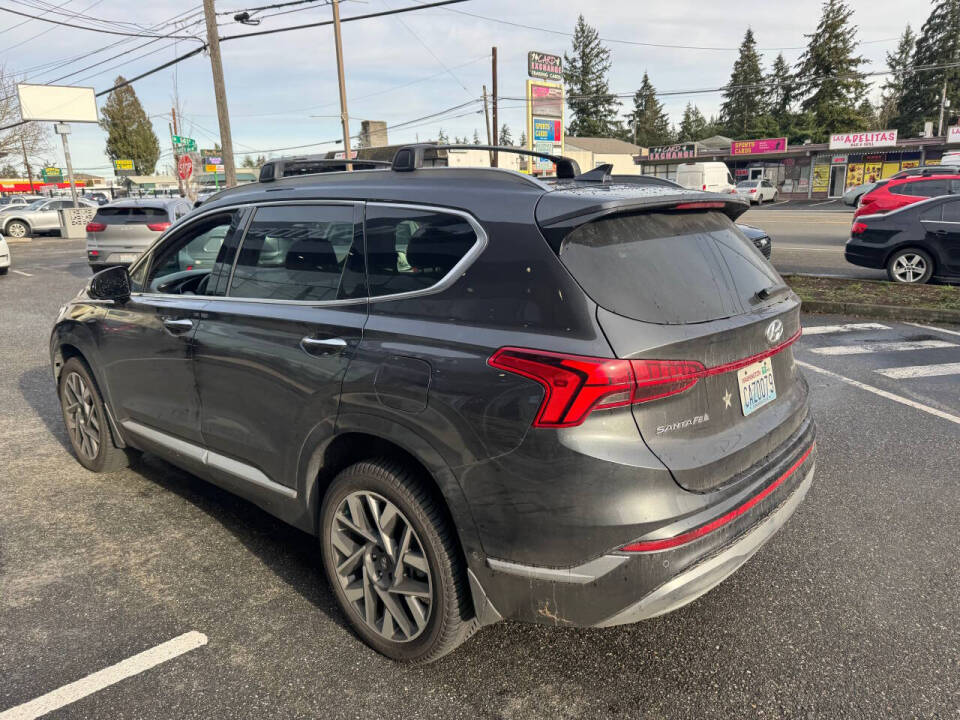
(756, 386)
(123, 257)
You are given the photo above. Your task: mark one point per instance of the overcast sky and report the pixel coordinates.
(282, 89)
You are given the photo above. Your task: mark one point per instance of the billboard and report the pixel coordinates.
(854, 141)
(544, 66)
(123, 167)
(758, 147)
(57, 103)
(544, 123)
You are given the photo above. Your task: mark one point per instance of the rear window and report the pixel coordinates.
(668, 268)
(133, 215)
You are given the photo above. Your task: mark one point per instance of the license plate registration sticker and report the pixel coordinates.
(756, 386)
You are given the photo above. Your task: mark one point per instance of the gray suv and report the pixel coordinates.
(122, 230)
(565, 401)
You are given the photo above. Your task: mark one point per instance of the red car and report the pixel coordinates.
(898, 192)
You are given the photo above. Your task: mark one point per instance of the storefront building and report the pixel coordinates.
(815, 171)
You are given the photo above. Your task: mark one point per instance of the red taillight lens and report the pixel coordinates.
(94, 253)
(858, 228)
(574, 386)
(158, 227)
(704, 187)
(698, 205)
(753, 190)
(95, 227)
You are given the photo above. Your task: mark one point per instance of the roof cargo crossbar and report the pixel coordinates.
(312, 165)
(411, 157)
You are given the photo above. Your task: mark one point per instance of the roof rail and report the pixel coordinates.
(313, 165)
(411, 157)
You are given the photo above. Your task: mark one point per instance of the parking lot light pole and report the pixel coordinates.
(220, 93)
(63, 129)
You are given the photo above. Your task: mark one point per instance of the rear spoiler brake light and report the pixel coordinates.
(703, 205)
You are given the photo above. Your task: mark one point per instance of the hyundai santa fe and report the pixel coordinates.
(490, 396)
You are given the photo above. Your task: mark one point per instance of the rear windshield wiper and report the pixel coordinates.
(769, 292)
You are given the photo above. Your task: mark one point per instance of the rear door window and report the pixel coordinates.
(931, 188)
(299, 252)
(411, 249)
(951, 211)
(668, 267)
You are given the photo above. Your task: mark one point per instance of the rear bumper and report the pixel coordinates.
(870, 257)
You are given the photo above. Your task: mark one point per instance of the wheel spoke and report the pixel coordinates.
(404, 546)
(417, 610)
(417, 561)
(350, 525)
(385, 542)
(412, 587)
(350, 564)
(390, 605)
(369, 599)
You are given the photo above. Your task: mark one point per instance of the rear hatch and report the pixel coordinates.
(120, 234)
(677, 281)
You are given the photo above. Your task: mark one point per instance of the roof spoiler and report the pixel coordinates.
(411, 157)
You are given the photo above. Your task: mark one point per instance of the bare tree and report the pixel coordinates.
(31, 139)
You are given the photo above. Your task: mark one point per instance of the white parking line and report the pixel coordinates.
(21, 272)
(931, 327)
(906, 345)
(915, 371)
(849, 327)
(828, 202)
(104, 678)
(876, 391)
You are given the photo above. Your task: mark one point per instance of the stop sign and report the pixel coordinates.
(185, 167)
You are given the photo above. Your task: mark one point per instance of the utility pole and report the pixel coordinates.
(344, 118)
(496, 125)
(943, 103)
(486, 117)
(26, 162)
(176, 157)
(220, 93)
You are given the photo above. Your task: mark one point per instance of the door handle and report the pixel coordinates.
(940, 233)
(322, 346)
(177, 327)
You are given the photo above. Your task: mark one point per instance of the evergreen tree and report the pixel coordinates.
(130, 134)
(828, 77)
(648, 123)
(898, 66)
(781, 89)
(249, 162)
(506, 138)
(476, 137)
(744, 99)
(9, 171)
(692, 124)
(523, 138)
(593, 108)
(938, 44)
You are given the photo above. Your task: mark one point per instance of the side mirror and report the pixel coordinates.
(111, 284)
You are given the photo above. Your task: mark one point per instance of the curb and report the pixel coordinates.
(883, 312)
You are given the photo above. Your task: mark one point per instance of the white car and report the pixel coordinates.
(4, 256)
(757, 191)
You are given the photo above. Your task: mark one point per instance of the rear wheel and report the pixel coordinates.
(392, 559)
(86, 420)
(910, 265)
(17, 229)
(4, 270)
(759, 198)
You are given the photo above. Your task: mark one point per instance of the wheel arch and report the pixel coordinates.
(7, 221)
(913, 245)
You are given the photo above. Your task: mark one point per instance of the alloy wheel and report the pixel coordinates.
(381, 566)
(83, 420)
(17, 230)
(909, 267)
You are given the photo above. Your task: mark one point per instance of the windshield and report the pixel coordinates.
(35, 205)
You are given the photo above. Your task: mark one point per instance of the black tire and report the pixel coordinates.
(106, 457)
(451, 618)
(759, 199)
(4, 270)
(17, 229)
(899, 263)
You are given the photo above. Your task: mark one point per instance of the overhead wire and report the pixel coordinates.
(84, 27)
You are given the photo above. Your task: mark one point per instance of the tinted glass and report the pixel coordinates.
(130, 215)
(668, 267)
(931, 188)
(951, 211)
(299, 252)
(191, 260)
(955, 187)
(410, 249)
(902, 189)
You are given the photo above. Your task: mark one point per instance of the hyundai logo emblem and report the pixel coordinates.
(774, 331)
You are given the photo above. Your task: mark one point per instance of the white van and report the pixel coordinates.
(710, 176)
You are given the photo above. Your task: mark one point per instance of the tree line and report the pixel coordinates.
(825, 91)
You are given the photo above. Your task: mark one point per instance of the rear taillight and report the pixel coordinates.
(753, 190)
(698, 205)
(574, 386)
(95, 227)
(158, 227)
(704, 187)
(93, 253)
(858, 228)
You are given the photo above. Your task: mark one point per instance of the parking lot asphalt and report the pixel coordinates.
(850, 611)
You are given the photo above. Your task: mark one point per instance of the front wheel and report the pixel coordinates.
(4, 270)
(17, 229)
(391, 556)
(759, 199)
(910, 266)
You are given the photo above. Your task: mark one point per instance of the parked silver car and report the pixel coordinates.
(39, 216)
(15, 201)
(122, 230)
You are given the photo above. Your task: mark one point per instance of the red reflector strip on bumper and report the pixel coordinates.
(691, 535)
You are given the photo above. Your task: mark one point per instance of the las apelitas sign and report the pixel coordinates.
(856, 141)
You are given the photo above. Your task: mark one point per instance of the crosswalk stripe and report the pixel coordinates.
(882, 347)
(937, 329)
(850, 327)
(915, 371)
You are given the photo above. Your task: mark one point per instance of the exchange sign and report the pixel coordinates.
(545, 66)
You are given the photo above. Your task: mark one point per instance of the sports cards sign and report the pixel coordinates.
(855, 141)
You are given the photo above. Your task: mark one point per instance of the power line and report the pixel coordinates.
(629, 42)
(99, 30)
(24, 22)
(265, 7)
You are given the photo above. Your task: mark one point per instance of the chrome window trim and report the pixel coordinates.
(444, 283)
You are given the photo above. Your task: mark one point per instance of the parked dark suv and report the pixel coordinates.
(568, 401)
